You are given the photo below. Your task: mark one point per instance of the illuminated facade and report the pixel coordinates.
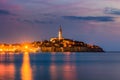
(60, 37)
(57, 44)
(60, 34)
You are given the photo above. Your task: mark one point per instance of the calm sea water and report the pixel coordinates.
(60, 66)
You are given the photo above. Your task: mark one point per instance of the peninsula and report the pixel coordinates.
(61, 44)
(58, 44)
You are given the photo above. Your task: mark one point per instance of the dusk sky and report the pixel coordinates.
(91, 21)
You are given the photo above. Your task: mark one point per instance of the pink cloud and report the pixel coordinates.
(15, 7)
(4, 4)
(3, 1)
(12, 7)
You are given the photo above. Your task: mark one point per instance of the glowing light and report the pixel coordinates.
(26, 71)
(1, 49)
(26, 46)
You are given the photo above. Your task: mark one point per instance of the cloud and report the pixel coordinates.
(114, 11)
(25, 21)
(4, 12)
(43, 22)
(90, 18)
(34, 21)
(49, 15)
(3, 1)
(28, 21)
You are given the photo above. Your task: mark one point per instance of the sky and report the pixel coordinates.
(91, 21)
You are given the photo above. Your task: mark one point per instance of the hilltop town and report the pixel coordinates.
(61, 44)
(58, 44)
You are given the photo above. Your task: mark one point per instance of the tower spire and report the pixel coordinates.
(60, 33)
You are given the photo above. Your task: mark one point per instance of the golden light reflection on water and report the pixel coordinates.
(26, 72)
(55, 69)
(7, 71)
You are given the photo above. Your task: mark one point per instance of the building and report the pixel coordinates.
(60, 37)
(60, 44)
(60, 33)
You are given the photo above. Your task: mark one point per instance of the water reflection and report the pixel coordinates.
(69, 72)
(62, 71)
(69, 69)
(26, 72)
(6, 57)
(53, 71)
(59, 66)
(7, 70)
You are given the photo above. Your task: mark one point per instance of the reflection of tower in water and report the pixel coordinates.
(26, 72)
(64, 70)
(69, 68)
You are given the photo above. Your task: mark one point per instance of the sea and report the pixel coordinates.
(60, 66)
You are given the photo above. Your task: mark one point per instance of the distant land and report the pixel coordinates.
(58, 44)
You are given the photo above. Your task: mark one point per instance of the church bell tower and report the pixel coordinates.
(60, 33)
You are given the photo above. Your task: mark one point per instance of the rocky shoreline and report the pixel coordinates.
(67, 45)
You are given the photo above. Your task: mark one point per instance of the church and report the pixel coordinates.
(64, 41)
(61, 44)
(60, 37)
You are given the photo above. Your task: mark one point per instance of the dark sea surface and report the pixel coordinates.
(60, 66)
